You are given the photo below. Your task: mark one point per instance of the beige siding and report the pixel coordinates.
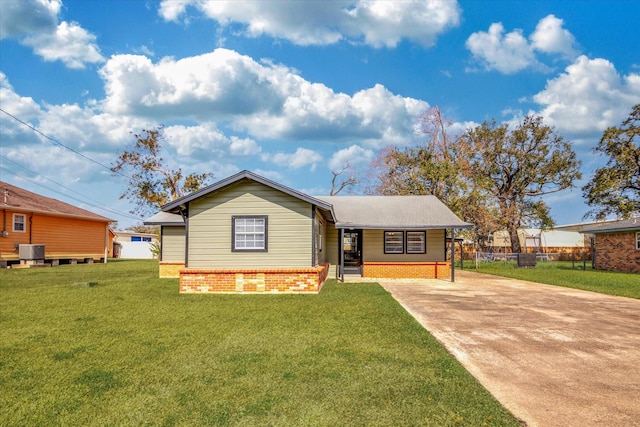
(173, 244)
(373, 248)
(330, 249)
(289, 228)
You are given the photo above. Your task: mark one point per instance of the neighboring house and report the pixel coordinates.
(246, 233)
(561, 243)
(67, 232)
(129, 244)
(617, 245)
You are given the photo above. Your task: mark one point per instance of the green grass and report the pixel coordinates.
(567, 274)
(110, 344)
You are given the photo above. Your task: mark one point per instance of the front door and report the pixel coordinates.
(352, 247)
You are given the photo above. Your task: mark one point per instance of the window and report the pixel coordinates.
(140, 239)
(249, 233)
(393, 242)
(416, 242)
(638, 240)
(19, 223)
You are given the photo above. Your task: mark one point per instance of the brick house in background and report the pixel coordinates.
(617, 245)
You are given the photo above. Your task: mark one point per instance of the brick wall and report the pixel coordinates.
(407, 270)
(617, 252)
(285, 280)
(170, 270)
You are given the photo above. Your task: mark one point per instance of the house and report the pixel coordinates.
(134, 245)
(557, 244)
(68, 233)
(247, 233)
(617, 245)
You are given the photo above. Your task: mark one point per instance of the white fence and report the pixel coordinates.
(510, 256)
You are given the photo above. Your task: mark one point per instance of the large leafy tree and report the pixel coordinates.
(615, 188)
(439, 166)
(516, 167)
(152, 183)
(434, 167)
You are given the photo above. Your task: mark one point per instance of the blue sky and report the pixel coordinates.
(294, 89)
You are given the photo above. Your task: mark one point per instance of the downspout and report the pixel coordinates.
(185, 217)
(313, 236)
(341, 255)
(161, 243)
(106, 242)
(453, 255)
(31, 228)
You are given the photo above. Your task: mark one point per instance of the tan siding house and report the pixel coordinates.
(247, 234)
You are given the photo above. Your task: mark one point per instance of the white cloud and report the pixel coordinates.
(550, 37)
(353, 156)
(507, 53)
(70, 43)
(377, 23)
(266, 100)
(512, 52)
(243, 147)
(588, 97)
(35, 24)
(301, 157)
(24, 17)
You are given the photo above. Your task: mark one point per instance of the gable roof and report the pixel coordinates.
(380, 212)
(373, 212)
(175, 205)
(21, 200)
(631, 224)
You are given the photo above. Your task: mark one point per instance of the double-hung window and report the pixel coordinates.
(393, 242)
(19, 223)
(638, 240)
(416, 242)
(249, 233)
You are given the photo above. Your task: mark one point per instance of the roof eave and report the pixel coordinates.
(237, 177)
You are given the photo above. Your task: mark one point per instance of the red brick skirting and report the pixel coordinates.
(407, 270)
(281, 280)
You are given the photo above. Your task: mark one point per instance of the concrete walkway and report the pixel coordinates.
(553, 356)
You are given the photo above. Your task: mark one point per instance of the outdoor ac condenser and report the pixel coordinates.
(31, 252)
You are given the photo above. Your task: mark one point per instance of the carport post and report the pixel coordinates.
(453, 255)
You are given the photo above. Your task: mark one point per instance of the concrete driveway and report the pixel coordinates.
(553, 356)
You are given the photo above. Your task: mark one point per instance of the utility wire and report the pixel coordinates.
(60, 144)
(98, 205)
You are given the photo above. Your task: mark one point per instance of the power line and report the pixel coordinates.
(60, 144)
(98, 206)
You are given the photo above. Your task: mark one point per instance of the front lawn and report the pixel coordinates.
(111, 344)
(567, 274)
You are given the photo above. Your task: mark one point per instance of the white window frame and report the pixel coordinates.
(423, 248)
(395, 235)
(239, 225)
(23, 223)
(638, 240)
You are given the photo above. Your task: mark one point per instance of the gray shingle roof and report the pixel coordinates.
(164, 218)
(388, 212)
(379, 212)
(631, 224)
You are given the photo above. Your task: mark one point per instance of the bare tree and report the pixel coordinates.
(350, 181)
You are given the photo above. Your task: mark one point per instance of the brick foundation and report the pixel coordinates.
(170, 270)
(407, 270)
(617, 252)
(284, 280)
